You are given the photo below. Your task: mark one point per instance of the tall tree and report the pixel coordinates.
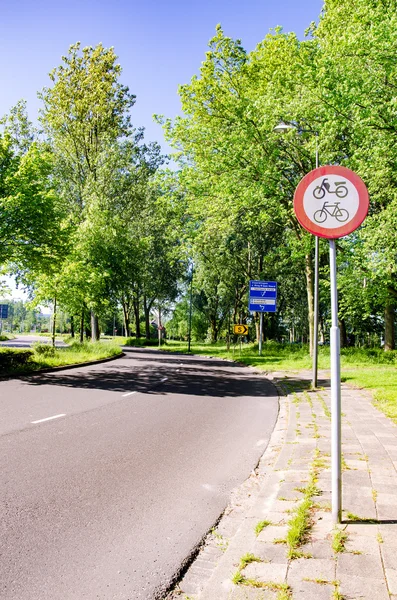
(85, 110)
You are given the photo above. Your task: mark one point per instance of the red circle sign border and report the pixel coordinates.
(338, 232)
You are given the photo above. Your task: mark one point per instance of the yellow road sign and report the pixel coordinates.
(240, 329)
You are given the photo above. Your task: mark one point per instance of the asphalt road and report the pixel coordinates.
(111, 474)
(25, 341)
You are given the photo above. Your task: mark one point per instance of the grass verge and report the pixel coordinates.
(59, 357)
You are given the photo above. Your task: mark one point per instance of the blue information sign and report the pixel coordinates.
(262, 296)
(3, 311)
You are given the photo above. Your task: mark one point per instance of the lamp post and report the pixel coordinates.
(283, 127)
(190, 309)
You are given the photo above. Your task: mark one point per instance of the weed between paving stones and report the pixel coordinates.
(339, 539)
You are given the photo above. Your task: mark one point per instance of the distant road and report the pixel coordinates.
(111, 474)
(25, 341)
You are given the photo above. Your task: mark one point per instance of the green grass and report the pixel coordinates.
(260, 526)
(74, 354)
(4, 337)
(247, 559)
(77, 353)
(339, 539)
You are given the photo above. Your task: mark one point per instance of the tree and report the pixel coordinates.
(233, 167)
(85, 111)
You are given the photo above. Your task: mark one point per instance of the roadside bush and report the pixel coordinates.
(142, 342)
(13, 358)
(43, 349)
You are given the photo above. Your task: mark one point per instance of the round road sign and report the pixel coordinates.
(331, 202)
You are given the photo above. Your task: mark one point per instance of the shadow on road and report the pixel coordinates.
(195, 377)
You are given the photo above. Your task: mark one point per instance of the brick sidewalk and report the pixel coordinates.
(355, 561)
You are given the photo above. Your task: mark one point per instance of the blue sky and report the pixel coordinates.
(160, 44)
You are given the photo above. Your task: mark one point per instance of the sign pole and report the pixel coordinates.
(336, 441)
(260, 332)
(331, 202)
(315, 332)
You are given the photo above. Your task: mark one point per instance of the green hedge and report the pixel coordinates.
(13, 358)
(141, 342)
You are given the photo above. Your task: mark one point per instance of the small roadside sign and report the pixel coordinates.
(240, 329)
(3, 311)
(262, 296)
(331, 202)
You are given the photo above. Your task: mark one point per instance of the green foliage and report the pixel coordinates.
(14, 360)
(43, 349)
(141, 342)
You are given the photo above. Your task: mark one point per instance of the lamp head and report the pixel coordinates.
(283, 127)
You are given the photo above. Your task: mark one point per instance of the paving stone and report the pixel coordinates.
(387, 512)
(288, 490)
(387, 499)
(246, 593)
(363, 529)
(283, 505)
(270, 552)
(388, 556)
(362, 588)
(319, 549)
(309, 590)
(264, 572)
(362, 566)
(391, 576)
(389, 536)
(362, 543)
(268, 534)
(312, 568)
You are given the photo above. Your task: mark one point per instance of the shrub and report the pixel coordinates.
(142, 342)
(43, 349)
(13, 358)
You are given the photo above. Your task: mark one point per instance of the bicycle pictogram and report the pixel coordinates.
(333, 210)
(340, 190)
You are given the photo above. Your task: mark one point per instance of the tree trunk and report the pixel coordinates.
(72, 326)
(147, 307)
(126, 316)
(389, 326)
(214, 330)
(159, 326)
(82, 326)
(137, 320)
(343, 334)
(54, 320)
(95, 333)
(310, 298)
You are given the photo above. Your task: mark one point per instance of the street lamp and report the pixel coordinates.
(284, 127)
(190, 309)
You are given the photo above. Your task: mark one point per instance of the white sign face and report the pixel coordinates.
(331, 201)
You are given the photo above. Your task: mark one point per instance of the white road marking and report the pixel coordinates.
(48, 419)
(260, 442)
(129, 394)
(164, 379)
